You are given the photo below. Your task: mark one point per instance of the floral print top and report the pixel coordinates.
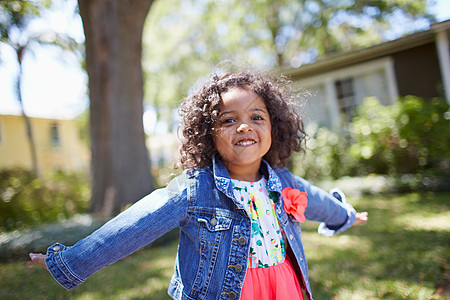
(266, 244)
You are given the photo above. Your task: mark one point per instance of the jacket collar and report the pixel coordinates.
(223, 180)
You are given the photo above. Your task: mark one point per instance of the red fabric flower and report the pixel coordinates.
(295, 203)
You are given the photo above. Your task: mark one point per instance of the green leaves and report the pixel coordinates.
(410, 136)
(26, 200)
(18, 13)
(185, 39)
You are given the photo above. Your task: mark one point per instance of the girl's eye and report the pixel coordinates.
(257, 118)
(228, 121)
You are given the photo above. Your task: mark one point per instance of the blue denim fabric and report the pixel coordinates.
(214, 232)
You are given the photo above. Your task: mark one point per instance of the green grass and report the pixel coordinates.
(143, 275)
(401, 253)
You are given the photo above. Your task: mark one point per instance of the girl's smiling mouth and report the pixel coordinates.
(245, 142)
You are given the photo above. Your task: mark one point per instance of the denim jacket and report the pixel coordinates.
(215, 231)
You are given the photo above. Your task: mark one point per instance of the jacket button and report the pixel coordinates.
(232, 295)
(242, 241)
(56, 248)
(238, 268)
(213, 222)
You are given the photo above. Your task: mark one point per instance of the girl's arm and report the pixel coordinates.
(142, 223)
(332, 210)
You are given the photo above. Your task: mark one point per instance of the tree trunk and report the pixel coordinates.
(28, 127)
(120, 162)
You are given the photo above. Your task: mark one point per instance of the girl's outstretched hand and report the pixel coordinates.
(361, 218)
(38, 259)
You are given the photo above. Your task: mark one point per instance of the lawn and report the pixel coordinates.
(401, 253)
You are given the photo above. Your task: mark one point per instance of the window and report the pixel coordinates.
(54, 135)
(372, 84)
(336, 94)
(317, 110)
(346, 97)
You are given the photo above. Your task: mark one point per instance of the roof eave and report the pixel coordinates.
(358, 56)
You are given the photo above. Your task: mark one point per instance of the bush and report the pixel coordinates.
(407, 140)
(26, 200)
(409, 136)
(327, 155)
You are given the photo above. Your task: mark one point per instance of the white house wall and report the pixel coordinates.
(371, 79)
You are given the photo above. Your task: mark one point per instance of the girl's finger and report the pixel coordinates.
(361, 218)
(38, 259)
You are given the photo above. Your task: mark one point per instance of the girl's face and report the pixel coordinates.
(243, 136)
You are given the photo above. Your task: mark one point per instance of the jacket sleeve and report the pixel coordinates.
(146, 220)
(335, 215)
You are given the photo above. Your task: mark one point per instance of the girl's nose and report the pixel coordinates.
(244, 127)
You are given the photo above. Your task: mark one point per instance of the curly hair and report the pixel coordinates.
(200, 112)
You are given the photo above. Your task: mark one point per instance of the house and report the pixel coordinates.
(58, 145)
(417, 64)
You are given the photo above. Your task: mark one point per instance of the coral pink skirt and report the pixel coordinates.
(275, 282)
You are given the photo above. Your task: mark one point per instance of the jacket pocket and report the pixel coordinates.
(213, 226)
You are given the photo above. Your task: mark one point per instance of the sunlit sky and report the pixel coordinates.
(53, 83)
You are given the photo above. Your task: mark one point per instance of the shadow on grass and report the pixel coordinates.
(390, 257)
(398, 265)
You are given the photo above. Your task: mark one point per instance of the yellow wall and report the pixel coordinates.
(71, 154)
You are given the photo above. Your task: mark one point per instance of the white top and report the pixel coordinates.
(266, 244)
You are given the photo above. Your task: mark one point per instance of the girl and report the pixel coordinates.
(238, 210)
